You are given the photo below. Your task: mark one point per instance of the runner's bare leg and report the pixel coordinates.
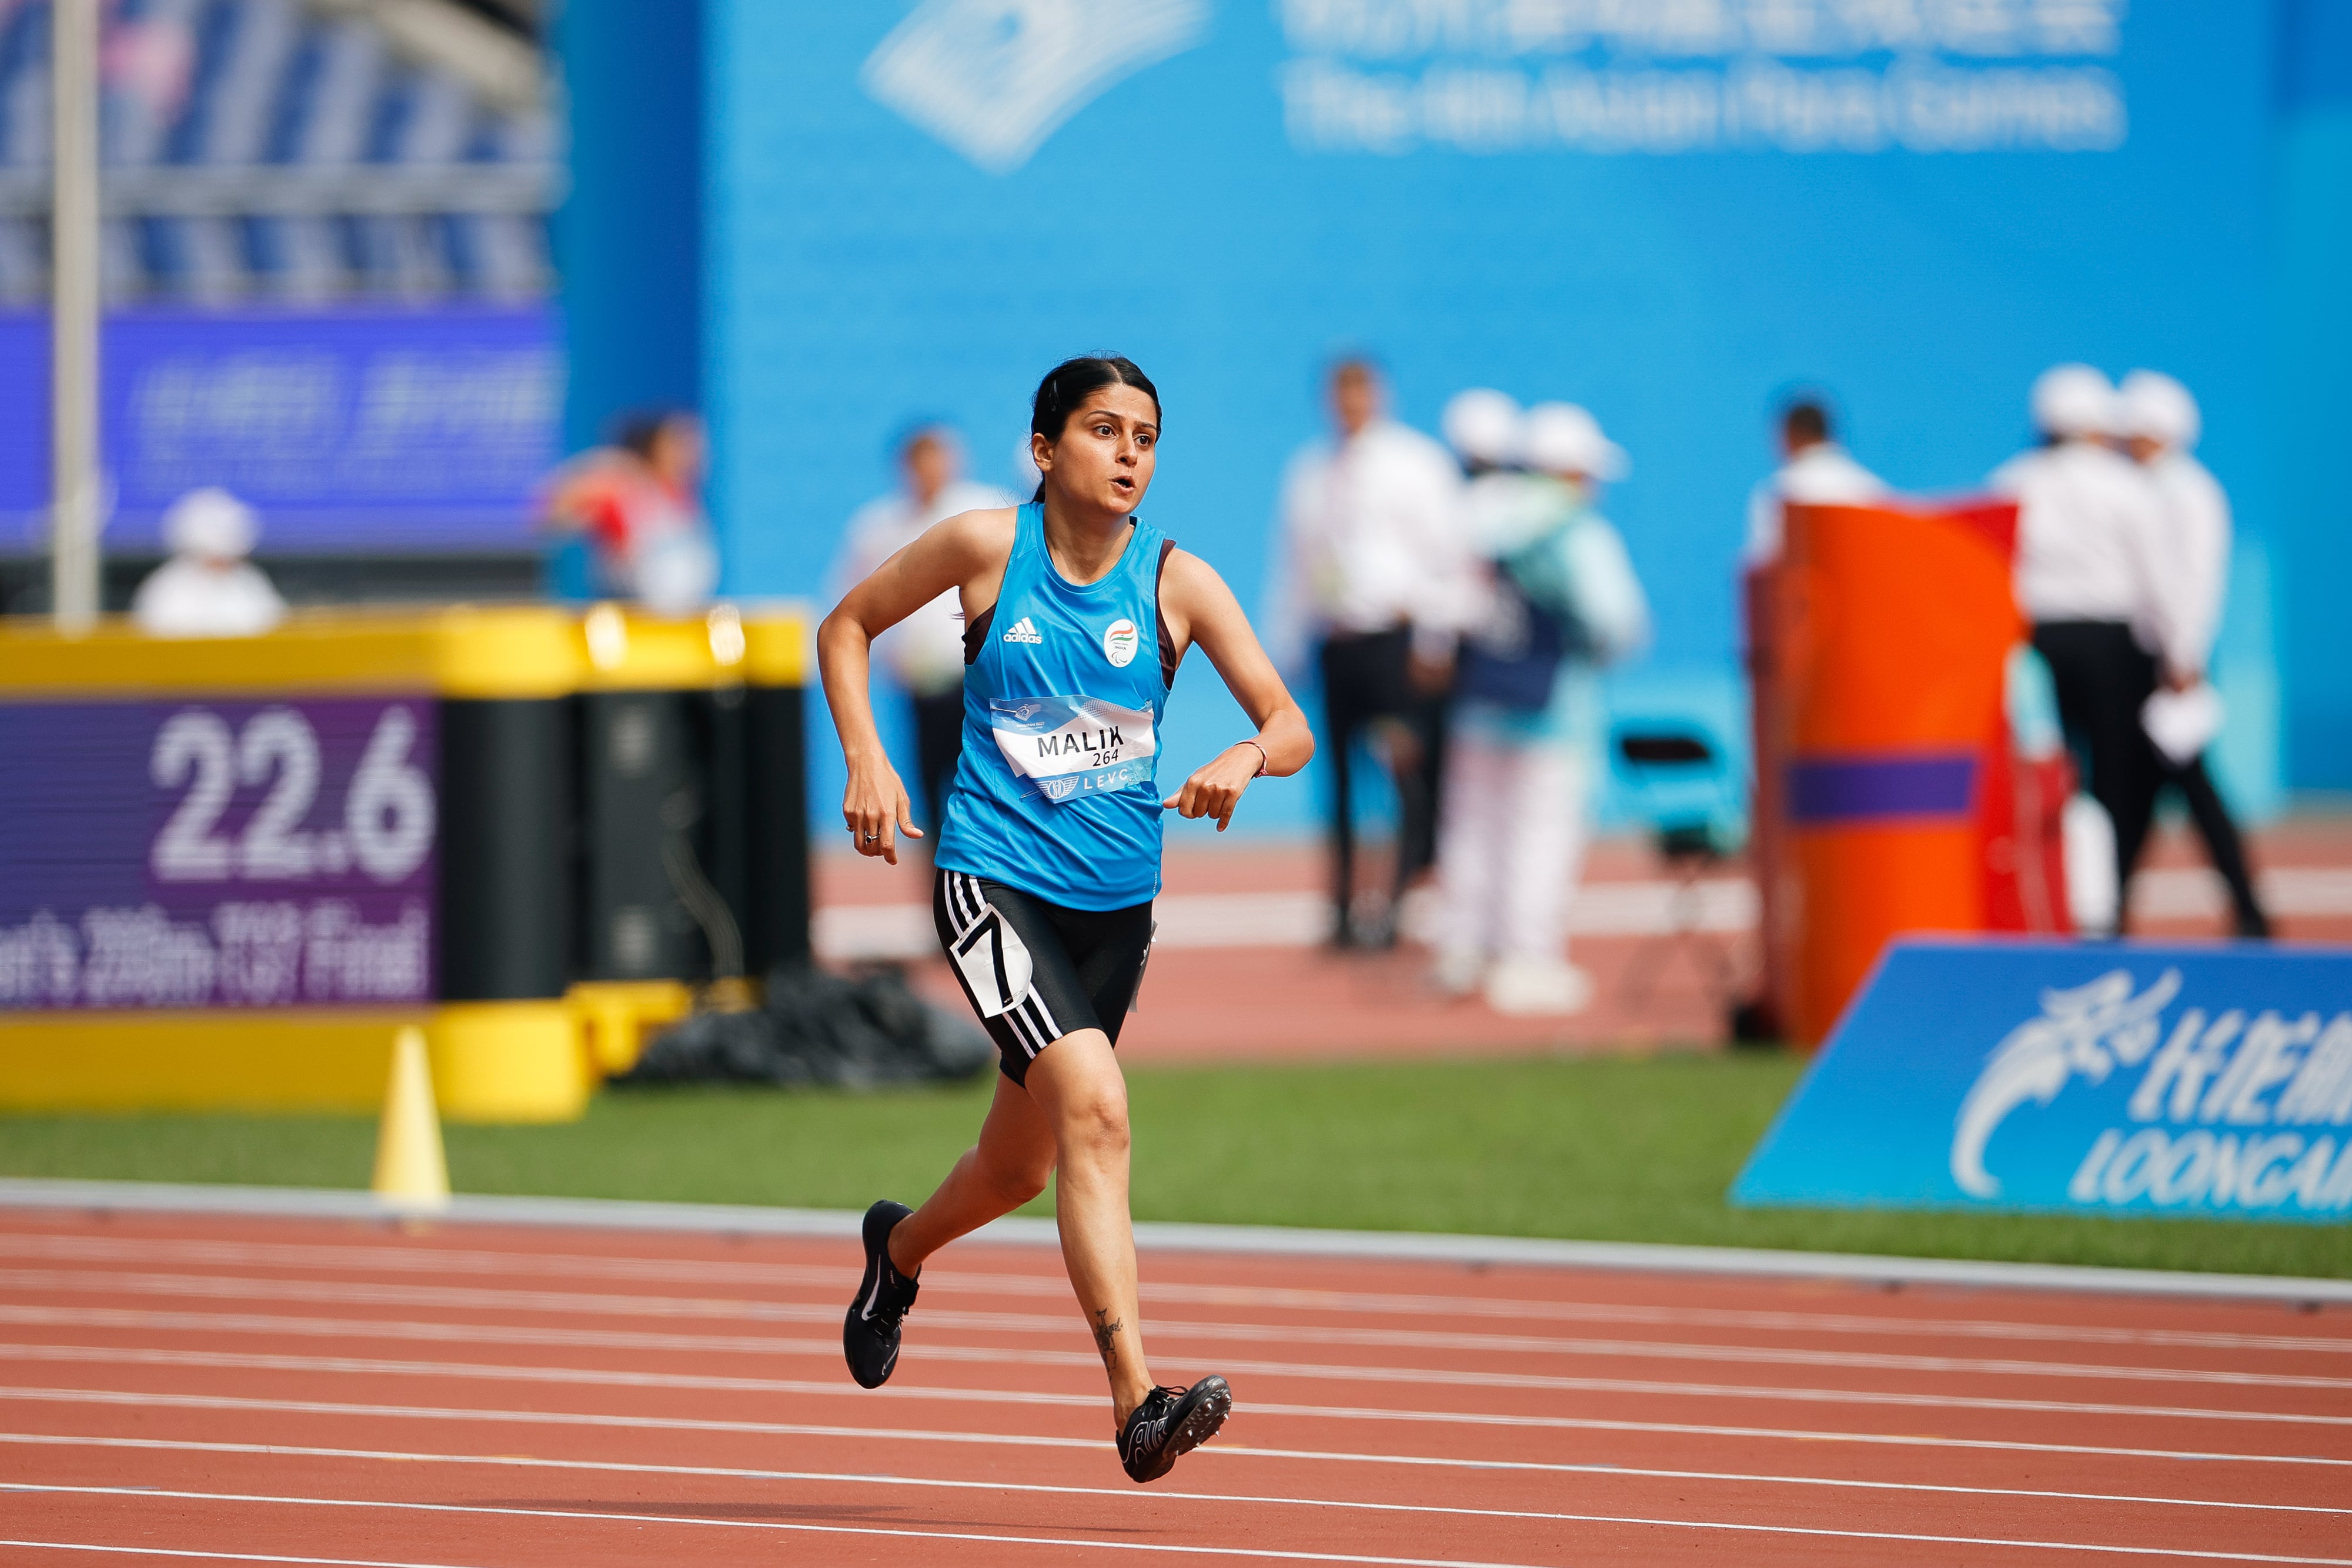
(1076, 1082)
(1004, 1170)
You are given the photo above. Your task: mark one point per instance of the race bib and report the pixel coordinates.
(1063, 748)
(995, 963)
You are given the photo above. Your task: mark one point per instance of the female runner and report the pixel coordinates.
(1076, 613)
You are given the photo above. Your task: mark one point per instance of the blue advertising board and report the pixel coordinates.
(368, 429)
(1669, 213)
(2090, 1078)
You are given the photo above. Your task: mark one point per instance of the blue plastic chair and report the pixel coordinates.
(1678, 779)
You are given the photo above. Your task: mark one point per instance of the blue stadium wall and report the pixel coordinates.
(906, 214)
(2310, 387)
(628, 240)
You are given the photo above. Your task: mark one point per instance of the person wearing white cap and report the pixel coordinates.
(1374, 569)
(1562, 602)
(1814, 471)
(2161, 423)
(1485, 428)
(2090, 548)
(208, 588)
(1481, 426)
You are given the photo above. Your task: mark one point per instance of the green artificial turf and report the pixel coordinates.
(1637, 1149)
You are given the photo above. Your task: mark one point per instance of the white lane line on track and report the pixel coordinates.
(1722, 1526)
(1615, 1472)
(468, 1298)
(1532, 1258)
(216, 1556)
(1310, 1372)
(782, 1526)
(1256, 1408)
(1250, 1334)
(418, 1258)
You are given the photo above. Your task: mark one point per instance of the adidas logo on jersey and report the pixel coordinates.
(1025, 631)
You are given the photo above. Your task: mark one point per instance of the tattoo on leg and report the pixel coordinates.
(1106, 1329)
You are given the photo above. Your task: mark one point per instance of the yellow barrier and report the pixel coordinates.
(520, 650)
(289, 1060)
(510, 1061)
(462, 651)
(492, 1061)
(615, 1017)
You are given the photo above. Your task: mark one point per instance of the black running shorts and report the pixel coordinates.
(1035, 971)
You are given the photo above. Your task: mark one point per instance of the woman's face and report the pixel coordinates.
(1105, 457)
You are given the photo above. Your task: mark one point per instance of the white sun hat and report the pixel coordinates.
(2073, 400)
(1561, 438)
(211, 523)
(1483, 425)
(2157, 408)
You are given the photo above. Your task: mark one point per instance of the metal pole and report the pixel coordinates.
(74, 304)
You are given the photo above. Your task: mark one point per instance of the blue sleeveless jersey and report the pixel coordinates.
(1056, 793)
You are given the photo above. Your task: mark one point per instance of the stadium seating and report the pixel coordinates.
(295, 150)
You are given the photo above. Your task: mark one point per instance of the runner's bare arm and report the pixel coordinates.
(1201, 610)
(965, 553)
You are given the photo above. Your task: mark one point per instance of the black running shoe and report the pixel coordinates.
(1169, 1423)
(869, 1334)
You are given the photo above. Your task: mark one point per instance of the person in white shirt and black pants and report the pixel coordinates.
(924, 653)
(2090, 547)
(1814, 471)
(1378, 575)
(2160, 421)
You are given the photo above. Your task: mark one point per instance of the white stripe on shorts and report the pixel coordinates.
(1047, 1030)
(1016, 1019)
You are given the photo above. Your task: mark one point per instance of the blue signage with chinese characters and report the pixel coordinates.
(356, 429)
(2205, 1082)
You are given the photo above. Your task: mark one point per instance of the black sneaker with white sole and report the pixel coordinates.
(1170, 1423)
(869, 1334)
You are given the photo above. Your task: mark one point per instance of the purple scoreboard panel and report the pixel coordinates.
(219, 855)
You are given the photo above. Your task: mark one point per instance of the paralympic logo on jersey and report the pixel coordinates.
(993, 78)
(2228, 1109)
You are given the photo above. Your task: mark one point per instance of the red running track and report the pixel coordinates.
(244, 1390)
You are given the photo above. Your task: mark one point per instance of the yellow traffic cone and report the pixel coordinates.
(411, 1171)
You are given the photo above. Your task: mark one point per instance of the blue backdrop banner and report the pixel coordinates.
(2193, 1081)
(1671, 214)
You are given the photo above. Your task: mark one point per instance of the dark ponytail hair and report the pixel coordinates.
(639, 430)
(1067, 386)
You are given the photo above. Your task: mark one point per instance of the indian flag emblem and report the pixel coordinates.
(1119, 643)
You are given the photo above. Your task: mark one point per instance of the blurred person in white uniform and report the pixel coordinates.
(1376, 574)
(2090, 560)
(1814, 471)
(1485, 429)
(2161, 425)
(1560, 601)
(924, 653)
(208, 588)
